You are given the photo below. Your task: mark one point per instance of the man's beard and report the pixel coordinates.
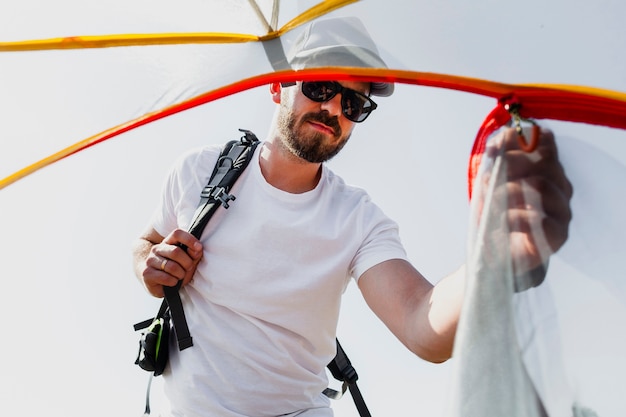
(310, 147)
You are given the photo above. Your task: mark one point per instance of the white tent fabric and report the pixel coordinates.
(492, 379)
(541, 352)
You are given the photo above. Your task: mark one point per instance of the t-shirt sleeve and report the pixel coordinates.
(381, 241)
(163, 218)
(181, 189)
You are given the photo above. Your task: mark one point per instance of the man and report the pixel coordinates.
(262, 288)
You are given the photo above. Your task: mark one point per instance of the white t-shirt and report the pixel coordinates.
(264, 303)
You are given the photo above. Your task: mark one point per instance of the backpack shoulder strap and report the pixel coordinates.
(342, 370)
(233, 160)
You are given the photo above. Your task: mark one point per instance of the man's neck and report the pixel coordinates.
(285, 171)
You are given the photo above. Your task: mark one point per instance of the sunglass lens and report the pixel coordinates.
(354, 106)
(319, 91)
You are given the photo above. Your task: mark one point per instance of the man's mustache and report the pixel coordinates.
(324, 118)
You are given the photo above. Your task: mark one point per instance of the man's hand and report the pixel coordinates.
(173, 259)
(538, 194)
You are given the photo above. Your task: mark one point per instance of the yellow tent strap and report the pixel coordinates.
(109, 41)
(314, 12)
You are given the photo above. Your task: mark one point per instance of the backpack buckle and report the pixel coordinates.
(220, 194)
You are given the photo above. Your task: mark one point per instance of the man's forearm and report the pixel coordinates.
(141, 250)
(443, 313)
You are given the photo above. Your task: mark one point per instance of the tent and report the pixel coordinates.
(68, 222)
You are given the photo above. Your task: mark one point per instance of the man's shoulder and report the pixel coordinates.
(347, 194)
(337, 183)
(211, 151)
(199, 157)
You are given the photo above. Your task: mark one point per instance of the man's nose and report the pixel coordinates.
(332, 106)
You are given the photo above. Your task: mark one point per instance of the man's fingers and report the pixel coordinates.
(176, 258)
(169, 269)
(156, 275)
(528, 222)
(181, 260)
(181, 238)
(537, 205)
(540, 193)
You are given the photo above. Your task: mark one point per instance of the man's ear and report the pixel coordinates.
(275, 91)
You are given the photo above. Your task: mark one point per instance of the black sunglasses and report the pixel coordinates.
(355, 106)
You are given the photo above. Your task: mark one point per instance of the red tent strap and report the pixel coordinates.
(496, 119)
(568, 106)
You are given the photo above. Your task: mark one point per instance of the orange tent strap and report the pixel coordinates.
(576, 104)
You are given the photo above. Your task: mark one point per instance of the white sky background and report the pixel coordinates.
(70, 297)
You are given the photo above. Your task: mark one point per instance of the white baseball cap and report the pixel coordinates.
(338, 42)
